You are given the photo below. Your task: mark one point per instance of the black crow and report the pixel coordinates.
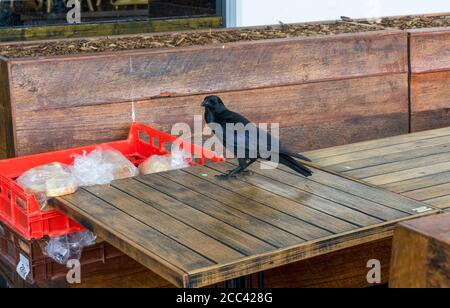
(240, 143)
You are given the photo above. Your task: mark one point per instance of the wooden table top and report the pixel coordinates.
(195, 230)
(415, 165)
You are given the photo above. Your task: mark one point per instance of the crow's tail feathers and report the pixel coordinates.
(296, 155)
(294, 165)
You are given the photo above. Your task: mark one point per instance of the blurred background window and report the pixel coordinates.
(24, 13)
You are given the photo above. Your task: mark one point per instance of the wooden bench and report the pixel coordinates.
(195, 230)
(416, 165)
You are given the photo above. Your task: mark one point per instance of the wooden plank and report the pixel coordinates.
(317, 155)
(281, 178)
(197, 228)
(227, 226)
(397, 148)
(421, 254)
(369, 107)
(399, 166)
(408, 174)
(440, 202)
(6, 121)
(430, 49)
(418, 182)
(142, 243)
(102, 78)
(430, 103)
(271, 200)
(429, 192)
(382, 160)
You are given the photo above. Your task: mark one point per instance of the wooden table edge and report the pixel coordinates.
(258, 263)
(155, 263)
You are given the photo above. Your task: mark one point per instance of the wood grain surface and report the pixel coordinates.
(196, 230)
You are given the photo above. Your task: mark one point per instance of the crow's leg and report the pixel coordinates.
(243, 165)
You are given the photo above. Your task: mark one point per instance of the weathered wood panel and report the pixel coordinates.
(6, 122)
(430, 100)
(430, 50)
(319, 114)
(421, 254)
(430, 81)
(115, 77)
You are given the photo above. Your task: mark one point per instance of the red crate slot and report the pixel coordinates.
(20, 210)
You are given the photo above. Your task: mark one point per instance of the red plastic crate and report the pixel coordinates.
(20, 210)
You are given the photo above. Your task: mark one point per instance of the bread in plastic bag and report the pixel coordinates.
(123, 168)
(101, 167)
(50, 180)
(178, 159)
(67, 247)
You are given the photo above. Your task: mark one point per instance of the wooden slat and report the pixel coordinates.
(418, 182)
(429, 192)
(136, 239)
(441, 202)
(382, 160)
(102, 78)
(408, 174)
(343, 111)
(379, 143)
(277, 177)
(225, 225)
(255, 196)
(399, 166)
(398, 148)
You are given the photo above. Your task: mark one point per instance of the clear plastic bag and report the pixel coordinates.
(178, 159)
(68, 247)
(50, 180)
(101, 167)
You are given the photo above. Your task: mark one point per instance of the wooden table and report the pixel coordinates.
(421, 253)
(416, 165)
(195, 230)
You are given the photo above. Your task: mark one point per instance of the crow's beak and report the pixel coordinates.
(205, 104)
